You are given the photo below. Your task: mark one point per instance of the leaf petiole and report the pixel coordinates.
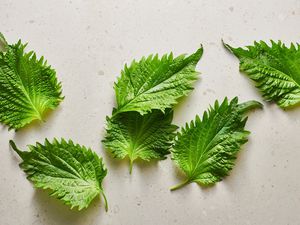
(130, 165)
(180, 185)
(105, 201)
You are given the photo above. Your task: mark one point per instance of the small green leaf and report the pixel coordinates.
(206, 149)
(154, 83)
(28, 86)
(136, 136)
(275, 69)
(72, 172)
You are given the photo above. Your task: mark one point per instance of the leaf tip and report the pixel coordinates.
(227, 46)
(3, 43)
(15, 148)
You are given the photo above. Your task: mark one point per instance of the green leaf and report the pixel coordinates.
(206, 149)
(28, 86)
(136, 136)
(3, 43)
(72, 172)
(275, 70)
(154, 83)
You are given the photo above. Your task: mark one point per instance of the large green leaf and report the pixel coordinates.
(136, 136)
(28, 86)
(275, 70)
(206, 149)
(72, 172)
(154, 83)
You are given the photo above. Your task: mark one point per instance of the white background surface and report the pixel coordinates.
(88, 42)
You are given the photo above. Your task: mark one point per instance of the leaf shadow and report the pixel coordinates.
(178, 174)
(230, 180)
(36, 125)
(114, 163)
(123, 164)
(293, 108)
(207, 188)
(182, 101)
(53, 211)
(146, 166)
(3, 127)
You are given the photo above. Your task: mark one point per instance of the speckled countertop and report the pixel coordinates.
(88, 42)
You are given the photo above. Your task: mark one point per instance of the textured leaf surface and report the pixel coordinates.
(28, 86)
(275, 70)
(156, 83)
(72, 172)
(206, 149)
(135, 136)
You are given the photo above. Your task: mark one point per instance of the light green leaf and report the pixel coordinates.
(136, 136)
(275, 70)
(28, 86)
(206, 149)
(154, 83)
(72, 172)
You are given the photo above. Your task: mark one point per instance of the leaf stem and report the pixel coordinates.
(105, 201)
(180, 185)
(115, 113)
(130, 166)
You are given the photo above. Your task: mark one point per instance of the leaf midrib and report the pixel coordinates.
(205, 150)
(139, 94)
(134, 141)
(27, 95)
(76, 175)
(258, 64)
